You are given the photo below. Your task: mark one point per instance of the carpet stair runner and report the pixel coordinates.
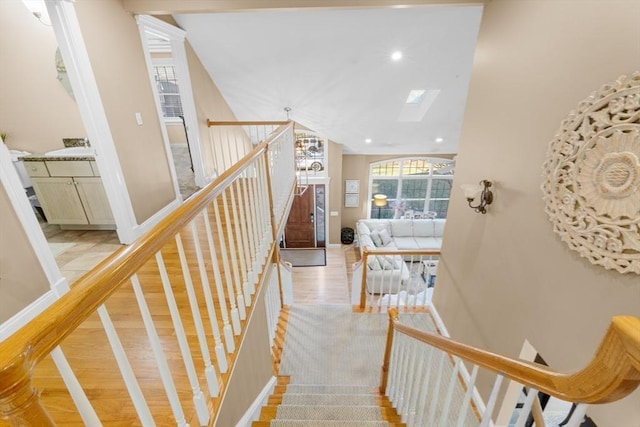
(304, 405)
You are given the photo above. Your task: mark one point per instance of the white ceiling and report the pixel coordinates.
(333, 69)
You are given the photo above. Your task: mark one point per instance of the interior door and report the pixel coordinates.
(300, 229)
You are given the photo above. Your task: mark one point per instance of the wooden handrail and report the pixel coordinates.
(612, 374)
(20, 352)
(246, 123)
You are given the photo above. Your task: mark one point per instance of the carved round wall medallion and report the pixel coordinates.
(592, 177)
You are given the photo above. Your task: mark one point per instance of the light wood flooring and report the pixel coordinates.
(83, 250)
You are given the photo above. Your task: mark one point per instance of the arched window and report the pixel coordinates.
(417, 187)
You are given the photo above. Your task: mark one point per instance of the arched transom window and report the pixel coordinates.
(417, 187)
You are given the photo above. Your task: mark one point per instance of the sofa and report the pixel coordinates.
(388, 273)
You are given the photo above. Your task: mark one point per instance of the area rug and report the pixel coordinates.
(330, 344)
(308, 257)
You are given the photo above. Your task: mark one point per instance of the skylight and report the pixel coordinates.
(415, 96)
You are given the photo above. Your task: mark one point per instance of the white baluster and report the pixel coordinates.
(421, 405)
(161, 361)
(234, 258)
(241, 238)
(417, 383)
(210, 373)
(526, 408)
(248, 215)
(222, 301)
(86, 411)
(206, 289)
(436, 389)
(235, 317)
(402, 383)
(181, 336)
(578, 415)
(486, 416)
(127, 373)
(257, 209)
(466, 403)
(393, 363)
(444, 419)
(394, 375)
(410, 376)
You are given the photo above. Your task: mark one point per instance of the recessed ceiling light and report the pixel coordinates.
(439, 140)
(396, 56)
(368, 140)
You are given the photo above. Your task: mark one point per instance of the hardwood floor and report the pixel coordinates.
(102, 381)
(328, 284)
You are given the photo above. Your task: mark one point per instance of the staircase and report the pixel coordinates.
(304, 405)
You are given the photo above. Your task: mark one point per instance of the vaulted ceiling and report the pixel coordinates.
(333, 69)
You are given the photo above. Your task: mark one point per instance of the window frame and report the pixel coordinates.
(400, 177)
(167, 62)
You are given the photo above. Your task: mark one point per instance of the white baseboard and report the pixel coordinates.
(25, 315)
(334, 246)
(253, 413)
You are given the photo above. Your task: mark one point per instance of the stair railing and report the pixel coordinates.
(170, 309)
(230, 141)
(394, 278)
(422, 375)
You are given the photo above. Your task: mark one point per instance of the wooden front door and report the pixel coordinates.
(300, 229)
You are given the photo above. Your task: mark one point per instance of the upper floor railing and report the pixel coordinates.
(426, 377)
(390, 277)
(153, 330)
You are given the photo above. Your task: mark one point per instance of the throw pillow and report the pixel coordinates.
(386, 262)
(384, 237)
(373, 263)
(376, 237)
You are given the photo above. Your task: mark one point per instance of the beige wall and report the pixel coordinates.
(176, 133)
(35, 111)
(253, 367)
(115, 51)
(506, 276)
(23, 280)
(356, 166)
(334, 171)
(209, 105)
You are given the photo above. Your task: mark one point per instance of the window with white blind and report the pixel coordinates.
(168, 90)
(418, 185)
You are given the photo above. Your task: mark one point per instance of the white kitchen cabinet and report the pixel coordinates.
(70, 192)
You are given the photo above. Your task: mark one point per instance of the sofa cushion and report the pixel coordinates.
(423, 228)
(406, 243)
(373, 263)
(401, 227)
(377, 240)
(386, 262)
(366, 242)
(385, 238)
(362, 228)
(428, 242)
(438, 227)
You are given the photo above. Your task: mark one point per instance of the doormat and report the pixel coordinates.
(310, 257)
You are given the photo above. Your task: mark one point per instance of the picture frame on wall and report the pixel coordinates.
(351, 186)
(351, 200)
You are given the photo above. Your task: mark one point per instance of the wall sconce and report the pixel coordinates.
(471, 191)
(379, 201)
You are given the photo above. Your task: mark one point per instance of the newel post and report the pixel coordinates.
(19, 401)
(384, 377)
(363, 283)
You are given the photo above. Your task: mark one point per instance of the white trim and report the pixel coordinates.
(438, 320)
(334, 246)
(20, 203)
(24, 316)
(155, 218)
(179, 55)
(253, 413)
(85, 89)
(156, 98)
